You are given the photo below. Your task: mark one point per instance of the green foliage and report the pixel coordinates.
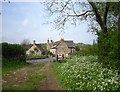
(11, 64)
(13, 51)
(113, 45)
(86, 50)
(108, 49)
(114, 8)
(103, 45)
(85, 73)
(13, 57)
(77, 48)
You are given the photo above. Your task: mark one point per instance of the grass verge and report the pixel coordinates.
(34, 76)
(11, 65)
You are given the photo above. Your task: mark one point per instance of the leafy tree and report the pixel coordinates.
(77, 48)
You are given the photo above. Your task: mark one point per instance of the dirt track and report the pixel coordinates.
(50, 82)
(18, 76)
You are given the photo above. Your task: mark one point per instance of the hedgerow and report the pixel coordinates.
(13, 51)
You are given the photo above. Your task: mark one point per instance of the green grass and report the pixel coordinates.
(85, 73)
(11, 65)
(32, 81)
(30, 84)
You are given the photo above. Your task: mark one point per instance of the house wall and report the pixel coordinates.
(71, 49)
(62, 48)
(53, 51)
(35, 50)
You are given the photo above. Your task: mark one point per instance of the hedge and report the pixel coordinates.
(13, 51)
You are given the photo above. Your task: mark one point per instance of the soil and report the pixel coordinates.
(20, 75)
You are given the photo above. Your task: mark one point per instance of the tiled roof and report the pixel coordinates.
(69, 43)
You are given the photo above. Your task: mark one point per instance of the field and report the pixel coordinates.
(85, 73)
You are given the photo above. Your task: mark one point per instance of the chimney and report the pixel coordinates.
(48, 41)
(33, 42)
(62, 39)
(51, 41)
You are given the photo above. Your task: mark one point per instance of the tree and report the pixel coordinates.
(119, 32)
(115, 25)
(25, 44)
(77, 48)
(74, 12)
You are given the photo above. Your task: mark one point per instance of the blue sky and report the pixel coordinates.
(25, 20)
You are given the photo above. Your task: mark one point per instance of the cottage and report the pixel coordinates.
(61, 48)
(35, 49)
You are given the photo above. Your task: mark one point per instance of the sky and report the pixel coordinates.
(27, 20)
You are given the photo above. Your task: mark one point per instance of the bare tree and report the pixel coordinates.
(25, 43)
(74, 12)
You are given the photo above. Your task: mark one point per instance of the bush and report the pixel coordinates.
(13, 51)
(77, 48)
(108, 49)
(86, 50)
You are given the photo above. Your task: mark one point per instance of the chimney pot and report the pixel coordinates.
(33, 42)
(51, 40)
(47, 41)
(62, 39)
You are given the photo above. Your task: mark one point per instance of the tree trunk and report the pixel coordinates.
(103, 44)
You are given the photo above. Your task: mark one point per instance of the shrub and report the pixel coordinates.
(77, 48)
(13, 51)
(108, 49)
(86, 50)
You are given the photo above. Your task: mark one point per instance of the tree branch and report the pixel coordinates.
(65, 5)
(78, 15)
(98, 17)
(106, 12)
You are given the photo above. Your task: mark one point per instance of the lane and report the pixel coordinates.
(41, 60)
(49, 82)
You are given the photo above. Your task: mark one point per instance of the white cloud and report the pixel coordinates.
(35, 26)
(25, 22)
